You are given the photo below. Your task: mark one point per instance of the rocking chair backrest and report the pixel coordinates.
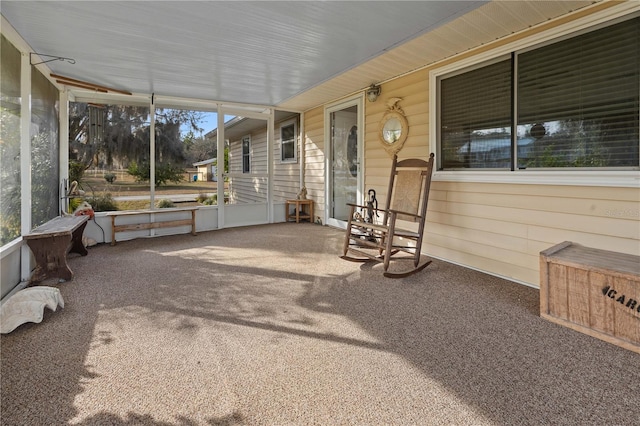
(409, 187)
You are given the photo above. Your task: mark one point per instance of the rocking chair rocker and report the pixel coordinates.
(407, 198)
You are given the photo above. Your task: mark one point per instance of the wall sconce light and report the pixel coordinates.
(373, 92)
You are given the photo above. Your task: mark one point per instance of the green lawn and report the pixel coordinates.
(94, 185)
(128, 186)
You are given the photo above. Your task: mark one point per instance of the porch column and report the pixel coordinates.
(301, 151)
(220, 169)
(25, 163)
(152, 156)
(63, 125)
(270, 144)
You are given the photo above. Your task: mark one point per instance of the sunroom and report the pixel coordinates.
(502, 194)
(531, 109)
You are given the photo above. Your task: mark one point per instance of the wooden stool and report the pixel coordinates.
(300, 210)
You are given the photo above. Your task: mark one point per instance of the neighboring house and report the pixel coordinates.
(206, 170)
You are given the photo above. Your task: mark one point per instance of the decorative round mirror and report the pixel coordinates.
(394, 128)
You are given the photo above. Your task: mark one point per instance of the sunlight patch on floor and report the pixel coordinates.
(127, 380)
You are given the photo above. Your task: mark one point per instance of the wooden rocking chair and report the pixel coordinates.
(407, 199)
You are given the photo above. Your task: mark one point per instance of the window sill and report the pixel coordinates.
(610, 178)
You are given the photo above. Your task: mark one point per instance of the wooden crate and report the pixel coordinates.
(596, 292)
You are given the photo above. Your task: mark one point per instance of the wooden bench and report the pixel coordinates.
(139, 226)
(593, 291)
(50, 243)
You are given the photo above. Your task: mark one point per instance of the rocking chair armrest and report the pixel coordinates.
(365, 207)
(400, 212)
(396, 212)
(356, 205)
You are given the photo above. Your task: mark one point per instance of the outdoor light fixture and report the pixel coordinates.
(373, 92)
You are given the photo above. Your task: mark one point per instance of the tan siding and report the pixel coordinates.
(259, 159)
(545, 237)
(497, 228)
(286, 176)
(314, 159)
(413, 89)
(504, 227)
(235, 157)
(528, 202)
(286, 184)
(473, 256)
(249, 188)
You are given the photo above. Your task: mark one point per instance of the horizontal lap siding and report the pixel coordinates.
(498, 228)
(259, 160)
(314, 169)
(286, 176)
(286, 183)
(235, 157)
(249, 188)
(413, 91)
(494, 227)
(502, 228)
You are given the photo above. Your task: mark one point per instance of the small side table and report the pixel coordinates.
(300, 210)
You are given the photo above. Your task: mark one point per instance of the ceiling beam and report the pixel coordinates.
(86, 85)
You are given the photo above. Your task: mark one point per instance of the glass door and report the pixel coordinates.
(344, 181)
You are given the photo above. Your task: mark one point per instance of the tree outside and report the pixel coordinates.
(109, 153)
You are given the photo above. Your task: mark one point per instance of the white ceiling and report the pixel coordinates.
(287, 54)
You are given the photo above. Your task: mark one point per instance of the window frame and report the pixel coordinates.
(246, 167)
(293, 122)
(579, 176)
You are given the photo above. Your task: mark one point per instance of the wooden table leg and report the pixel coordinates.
(113, 230)
(51, 257)
(76, 241)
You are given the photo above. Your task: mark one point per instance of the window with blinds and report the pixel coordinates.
(476, 118)
(573, 103)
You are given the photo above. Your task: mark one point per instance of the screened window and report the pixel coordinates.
(109, 155)
(288, 142)
(45, 149)
(10, 101)
(246, 154)
(572, 104)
